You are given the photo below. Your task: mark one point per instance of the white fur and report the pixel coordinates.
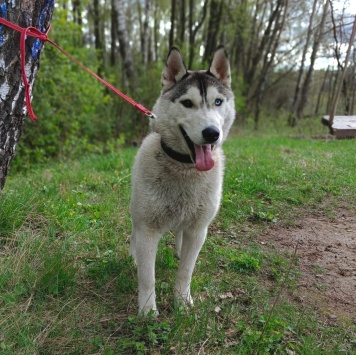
(170, 195)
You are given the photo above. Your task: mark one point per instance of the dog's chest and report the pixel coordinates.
(167, 195)
(184, 200)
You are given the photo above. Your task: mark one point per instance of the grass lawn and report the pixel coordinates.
(68, 286)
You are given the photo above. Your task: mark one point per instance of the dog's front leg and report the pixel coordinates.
(192, 242)
(145, 253)
(179, 239)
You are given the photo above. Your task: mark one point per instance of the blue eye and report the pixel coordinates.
(218, 102)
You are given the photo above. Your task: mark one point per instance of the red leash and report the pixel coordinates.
(34, 32)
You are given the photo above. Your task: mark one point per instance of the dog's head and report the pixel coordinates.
(196, 108)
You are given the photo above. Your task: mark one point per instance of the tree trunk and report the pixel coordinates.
(78, 19)
(77, 13)
(190, 25)
(353, 83)
(216, 9)
(253, 36)
(113, 34)
(322, 88)
(302, 64)
(99, 46)
(307, 81)
(182, 23)
(155, 32)
(173, 16)
(124, 45)
(12, 94)
(271, 31)
(146, 33)
(193, 30)
(345, 94)
(270, 53)
(332, 89)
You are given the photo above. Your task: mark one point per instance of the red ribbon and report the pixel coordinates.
(34, 32)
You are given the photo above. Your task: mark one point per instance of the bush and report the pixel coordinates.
(77, 114)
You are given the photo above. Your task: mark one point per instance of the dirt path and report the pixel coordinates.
(326, 259)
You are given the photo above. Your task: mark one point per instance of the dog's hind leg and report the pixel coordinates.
(192, 242)
(145, 250)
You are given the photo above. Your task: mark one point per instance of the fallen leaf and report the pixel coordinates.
(226, 295)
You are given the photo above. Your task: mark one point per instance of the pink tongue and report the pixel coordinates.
(203, 157)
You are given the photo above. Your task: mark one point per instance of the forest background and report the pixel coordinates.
(286, 57)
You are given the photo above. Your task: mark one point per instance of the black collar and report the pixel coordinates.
(182, 158)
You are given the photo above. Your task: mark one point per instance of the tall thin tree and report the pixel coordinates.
(298, 86)
(308, 77)
(194, 27)
(124, 46)
(173, 17)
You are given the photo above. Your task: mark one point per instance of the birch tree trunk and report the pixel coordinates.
(12, 94)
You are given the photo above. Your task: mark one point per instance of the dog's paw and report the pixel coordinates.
(183, 300)
(148, 312)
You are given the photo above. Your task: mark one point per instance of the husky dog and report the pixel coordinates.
(178, 171)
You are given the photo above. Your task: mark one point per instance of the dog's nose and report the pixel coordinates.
(211, 134)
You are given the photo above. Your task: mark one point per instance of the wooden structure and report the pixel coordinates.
(342, 126)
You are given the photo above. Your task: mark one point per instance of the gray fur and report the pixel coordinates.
(169, 195)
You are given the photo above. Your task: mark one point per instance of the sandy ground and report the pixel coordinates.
(326, 254)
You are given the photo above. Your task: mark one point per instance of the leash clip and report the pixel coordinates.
(151, 115)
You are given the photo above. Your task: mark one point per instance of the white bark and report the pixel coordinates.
(12, 96)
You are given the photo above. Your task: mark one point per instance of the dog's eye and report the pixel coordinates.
(218, 102)
(187, 103)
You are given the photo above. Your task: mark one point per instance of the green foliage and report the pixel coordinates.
(244, 263)
(76, 113)
(268, 338)
(70, 104)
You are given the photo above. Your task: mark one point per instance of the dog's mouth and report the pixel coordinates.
(201, 154)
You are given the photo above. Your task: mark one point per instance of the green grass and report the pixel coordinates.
(68, 286)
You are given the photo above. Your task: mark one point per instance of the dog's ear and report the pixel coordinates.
(220, 66)
(174, 69)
